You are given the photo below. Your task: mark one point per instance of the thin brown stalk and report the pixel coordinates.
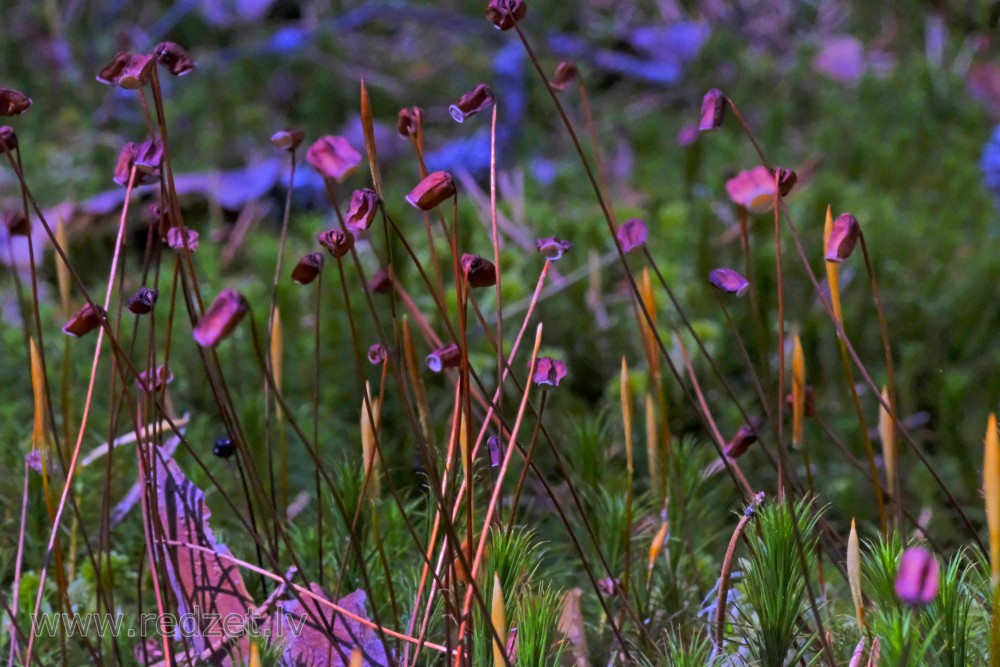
(782, 453)
(892, 475)
(15, 650)
(317, 377)
(54, 533)
(491, 508)
(272, 308)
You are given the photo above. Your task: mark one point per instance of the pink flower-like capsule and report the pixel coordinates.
(149, 157)
(174, 57)
(287, 140)
(810, 401)
(478, 99)
(380, 283)
(449, 356)
(86, 320)
(479, 270)
(728, 281)
(745, 436)
(917, 577)
(336, 242)
(632, 234)
(566, 72)
(434, 189)
(548, 372)
(142, 301)
(179, 238)
(13, 102)
(843, 237)
(9, 137)
(552, 248)
(713, 110)
(16, 223)
(221, 318)
(786, 180)
(377, 354)
(109, 73)
(137, 72)
(609, 586)
(157, 380)
(408, 121)
(361, 212)
(159, 216)
(495, 451)
(333, 157)
(752, 189)
(308, 268)
(687, 135)
(505, 14)
(129, 157)
(33, 460)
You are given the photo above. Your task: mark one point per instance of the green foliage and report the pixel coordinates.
(905, 639)
(514, 556)
(692, 653)
(775, 589)
(955, 613)
(536, 616)
(879, 561)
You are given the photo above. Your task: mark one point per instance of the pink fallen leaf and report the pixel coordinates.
(198, 579)
(307, 640)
